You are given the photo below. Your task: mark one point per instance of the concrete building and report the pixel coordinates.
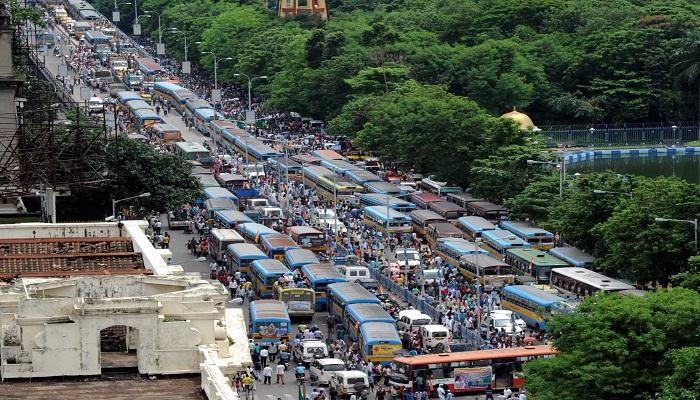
(82, 325)
(293, 8)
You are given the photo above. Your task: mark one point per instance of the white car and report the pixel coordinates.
(322, 369)
(95, 105)
(253, 171)
(309, 350)
(320, 215)
(509, 314)
(501, 322)
(332, 225)
(406, 258)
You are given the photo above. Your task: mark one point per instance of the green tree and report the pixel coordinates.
(637, 247)
(690, 278)
(612, 347)
(685, 379)
(687, 69)
(536, 200)
(505, 173)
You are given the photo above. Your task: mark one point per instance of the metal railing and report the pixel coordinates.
(608, 135)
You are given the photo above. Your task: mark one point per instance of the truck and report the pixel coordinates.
(133, 80)
(119, 66)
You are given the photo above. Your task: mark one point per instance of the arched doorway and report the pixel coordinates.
(118, 348)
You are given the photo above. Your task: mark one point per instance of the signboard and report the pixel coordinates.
(296, 305)
(273, 330)
(62, 70)
(186, 67)
(250, 116)
(385, 349)
(216, 95)
(160, 48)
(472, 378)
(137, 29)
(115, 16)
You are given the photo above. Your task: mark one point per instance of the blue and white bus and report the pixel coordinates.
(242, 255)
(358, 314)
(265, 273)
(538, 238)
(379, 342)
(573, 256)
(231, 218)
(147, 117)
(297, 258)
(384, 188)
(533, 305)
(377, 199)
(220, 193)
(498, 241)
(269, 321)
(473, 226)
(362, 177)
(388, 221)
(254, 231)
(319, 277)
(453, 249)
(127, 96)
(276, 244)
(341, 295)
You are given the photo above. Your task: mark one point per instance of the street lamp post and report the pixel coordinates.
(250, 82)
(114, 202)
(216, 67)
(184, 35)
(562, 171)
(115, 14)
(136, 23)
(694, 222)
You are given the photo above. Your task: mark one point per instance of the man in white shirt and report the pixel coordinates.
(267, 375)
(263, 358)
(280, 373)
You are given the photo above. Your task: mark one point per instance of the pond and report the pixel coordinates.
(684, 166)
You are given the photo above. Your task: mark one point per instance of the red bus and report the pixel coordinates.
(468, 371)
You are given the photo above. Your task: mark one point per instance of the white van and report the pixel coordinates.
(271, 213)
(412, 322)
(253, 171)
(349, 382)
(435, 337)
(255, 204)
(309, 350)
(323, 369)
(354, 273)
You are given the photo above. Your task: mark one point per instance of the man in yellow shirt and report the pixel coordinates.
(248, 285)
(247, 381)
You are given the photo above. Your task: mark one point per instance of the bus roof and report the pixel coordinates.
(512, 352)
(278, 241)
(226, 234)
(382, 212)
(268, 309)
(476, 224)
(351, 292)
(592, 278)
(464, 197)
(383, 187)
(378, 199)
(483, 260)
(300, 256)
(191, 147)
(525, 229)
(303, 230)
(425, 215)
(486, 206)
(573, 256)
(246, 250)
(219, 193)
(536, 295)
(379, 332)
(220, 203)
(164, 128)
(253, 229)
(268, 266)
(446, 206)
(460, 246)
(445, 228)
(327, 155)
(504, 238)
(233, 216)
(426, 197)
(322, 271)
(369, 312)
(537, 257)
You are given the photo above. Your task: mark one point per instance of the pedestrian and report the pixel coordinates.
(272, 352)
(263, 357)
(166, 240)
(267, 375)
(280, 373)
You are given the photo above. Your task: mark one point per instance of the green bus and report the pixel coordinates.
(533, 262)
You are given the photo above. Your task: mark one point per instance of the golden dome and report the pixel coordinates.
(521, 119)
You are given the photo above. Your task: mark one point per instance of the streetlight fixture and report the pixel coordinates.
(216, 65)
(184, 35)
(116, 16)
(598, 191)
(562, 171)
(137, 26)
(114, 202)
(694, 222)
(160, 36)
(250, 82)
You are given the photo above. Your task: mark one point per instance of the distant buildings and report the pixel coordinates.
(293, 8)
